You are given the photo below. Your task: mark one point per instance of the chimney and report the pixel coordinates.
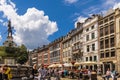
(78, 24)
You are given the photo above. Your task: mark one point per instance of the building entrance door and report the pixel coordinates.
(107, 66)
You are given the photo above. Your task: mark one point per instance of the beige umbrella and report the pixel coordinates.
(77, 64)
(89, 63)
(67, 64)
(52, 65)
(55, 65)
(58, 65)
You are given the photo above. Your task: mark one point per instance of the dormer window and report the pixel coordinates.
(87, 29)
(92, 27)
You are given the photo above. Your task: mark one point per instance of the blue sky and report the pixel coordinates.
(38, 22)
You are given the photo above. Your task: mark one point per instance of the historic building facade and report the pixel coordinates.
(90, 38)
(33, 57)
(109, 40)
(66, 49)
(55, 51)
(94, 43)
(117, 19)
(43, 56)
(76, 43)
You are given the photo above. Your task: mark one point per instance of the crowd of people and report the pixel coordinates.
(44, 73)
(111, 74)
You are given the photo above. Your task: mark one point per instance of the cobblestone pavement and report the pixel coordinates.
(77, 79)
(99, 78)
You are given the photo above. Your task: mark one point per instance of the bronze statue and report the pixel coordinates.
(9, 28)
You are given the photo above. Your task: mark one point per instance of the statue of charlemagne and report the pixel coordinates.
(9, 28)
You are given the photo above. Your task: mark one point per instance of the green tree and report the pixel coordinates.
(23, 54)
(22, 58)
(19, 53)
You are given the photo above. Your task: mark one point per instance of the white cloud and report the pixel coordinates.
(32, 28)
(71, 1)
(109, 2)
(1, 21)
(117, 5)
(112, 4)
(107, 5)
(80, 19)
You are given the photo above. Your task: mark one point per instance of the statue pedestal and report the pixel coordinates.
(9, 60)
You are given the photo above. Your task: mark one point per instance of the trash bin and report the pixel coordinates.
(93, 75)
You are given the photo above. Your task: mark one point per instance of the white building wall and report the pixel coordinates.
(90, 41)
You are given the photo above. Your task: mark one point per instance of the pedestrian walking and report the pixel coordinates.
(80, 75)
(49, 74)
(57, 76)
(99, 72)
(34, 71)
(42, 73)
(108, 74)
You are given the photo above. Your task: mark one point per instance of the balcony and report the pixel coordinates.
(77, 56)
(34, 58)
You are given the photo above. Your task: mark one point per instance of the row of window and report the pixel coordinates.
(55, 54)
(92, 46)
(91, 58)
(108, 29)
(92, 36)
(40, 61)
(66, 44)
(67, 53)
(76, 38)
(45, 61)
(54, 47)
(107, 54)
(106, 20)
(77, 46)
(107, 43)
(57, 59)
(92, 27)
(45, 56)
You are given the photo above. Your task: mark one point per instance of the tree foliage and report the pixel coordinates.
(23, 54)
(19, 53)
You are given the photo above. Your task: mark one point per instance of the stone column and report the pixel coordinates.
(110, 66)
(103, 68)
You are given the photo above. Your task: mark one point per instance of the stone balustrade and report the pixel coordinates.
(19, 71)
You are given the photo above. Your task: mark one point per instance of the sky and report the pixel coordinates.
(39, 22)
